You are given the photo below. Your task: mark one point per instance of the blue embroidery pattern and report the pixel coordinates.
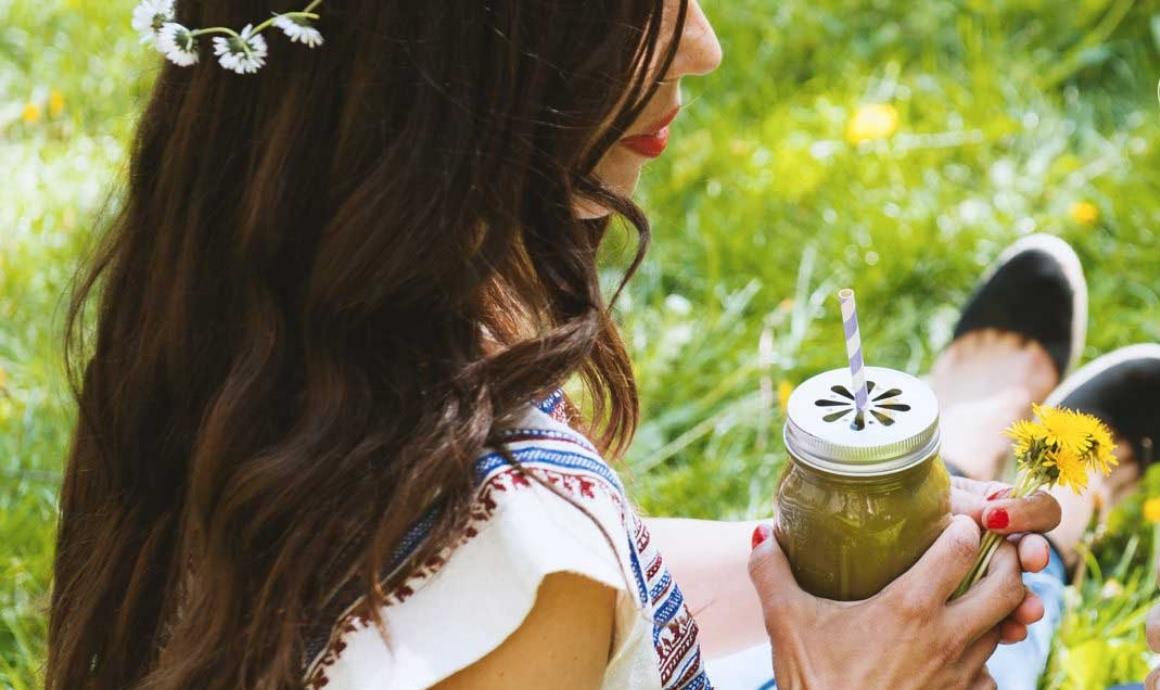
(572, 464)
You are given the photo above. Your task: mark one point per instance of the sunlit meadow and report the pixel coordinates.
(892, 145)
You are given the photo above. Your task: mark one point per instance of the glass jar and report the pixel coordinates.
(863, 496)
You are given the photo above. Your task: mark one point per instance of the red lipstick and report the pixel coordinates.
(653, 142)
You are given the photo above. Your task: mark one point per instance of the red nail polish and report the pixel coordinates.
(760, 534)
(998, 519)
(998, 493)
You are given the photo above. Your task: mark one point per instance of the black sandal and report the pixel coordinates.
(1036, 289)
(1122, 388)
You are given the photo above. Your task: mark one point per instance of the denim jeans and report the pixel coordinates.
(1014, 667)
(1019, 666)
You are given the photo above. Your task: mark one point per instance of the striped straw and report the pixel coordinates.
(854, 347)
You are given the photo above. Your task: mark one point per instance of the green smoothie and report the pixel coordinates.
(847, 538)
(859, 505)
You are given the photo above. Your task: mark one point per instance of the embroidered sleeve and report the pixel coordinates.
(560, 509)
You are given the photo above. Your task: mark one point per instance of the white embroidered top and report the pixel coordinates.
(454, 612)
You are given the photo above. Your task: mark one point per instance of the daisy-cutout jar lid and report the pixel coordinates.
(900, 426)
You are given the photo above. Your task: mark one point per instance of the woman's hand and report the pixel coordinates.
(906, 637)
(1026, 520)
(987, 503)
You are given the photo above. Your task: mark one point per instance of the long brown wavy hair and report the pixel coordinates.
(326, 288)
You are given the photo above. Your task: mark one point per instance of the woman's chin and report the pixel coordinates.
(621, 180)
(589, 209)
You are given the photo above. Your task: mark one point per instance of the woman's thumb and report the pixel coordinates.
(769, 569)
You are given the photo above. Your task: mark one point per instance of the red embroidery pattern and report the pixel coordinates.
(580, 486)
(675, 631)
(581, 475)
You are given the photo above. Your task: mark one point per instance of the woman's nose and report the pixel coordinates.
(699, 51)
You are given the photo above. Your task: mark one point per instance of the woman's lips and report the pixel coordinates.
(648, 145)
(652, 144)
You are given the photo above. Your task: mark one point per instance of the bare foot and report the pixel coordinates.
(984, 381)
(972, 432)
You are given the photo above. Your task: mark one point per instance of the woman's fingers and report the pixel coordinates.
(1039, 512)
(969, 504)
(975, 657)
(931, 581)
(970, 496)
(988, 504)
(1011, 632)
(1030, 611)
(995, 597)
(770, 572)
(1034, 553)
(1014, 629)
(984, 681)
(982, 489)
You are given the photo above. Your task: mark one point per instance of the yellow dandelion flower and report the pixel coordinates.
(55, 103)
(30, 114)
(1025, 433)
(1072, 470)
(1152, 510)
(1060, 449)
(1084, 213)
(1104, 459)
(872, 122)
(1066, 430)
(1100, 455)
(784, 390)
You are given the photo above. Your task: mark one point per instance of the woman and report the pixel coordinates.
(320, 439)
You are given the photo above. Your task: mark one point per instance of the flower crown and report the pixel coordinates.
(243, 52)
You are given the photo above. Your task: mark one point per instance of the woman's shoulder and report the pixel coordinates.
(546, 503)
(544, 446)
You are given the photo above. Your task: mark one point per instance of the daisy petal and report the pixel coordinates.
(299, 29)
(244, 54)
(178, 44)
(148, 18)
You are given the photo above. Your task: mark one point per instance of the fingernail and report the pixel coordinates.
(997, 494)
(998, 519)
(760, 534)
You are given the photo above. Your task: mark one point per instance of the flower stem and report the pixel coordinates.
(298, 15)
(215, 30)
(1027, 485)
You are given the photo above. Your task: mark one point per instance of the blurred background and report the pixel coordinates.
(893, 145)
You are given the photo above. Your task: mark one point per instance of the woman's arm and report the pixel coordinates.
(563, 643)
(708, 559)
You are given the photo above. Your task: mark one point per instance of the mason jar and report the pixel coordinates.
(862, 496)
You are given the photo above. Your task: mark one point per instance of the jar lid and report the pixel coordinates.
(899, 428)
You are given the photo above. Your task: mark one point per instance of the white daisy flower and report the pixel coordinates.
(299, 29)
(178, 44)
(244, 55)
(149, 16)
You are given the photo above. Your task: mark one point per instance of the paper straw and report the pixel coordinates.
(854, 348)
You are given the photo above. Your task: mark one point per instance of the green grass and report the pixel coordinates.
(1011, 112)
